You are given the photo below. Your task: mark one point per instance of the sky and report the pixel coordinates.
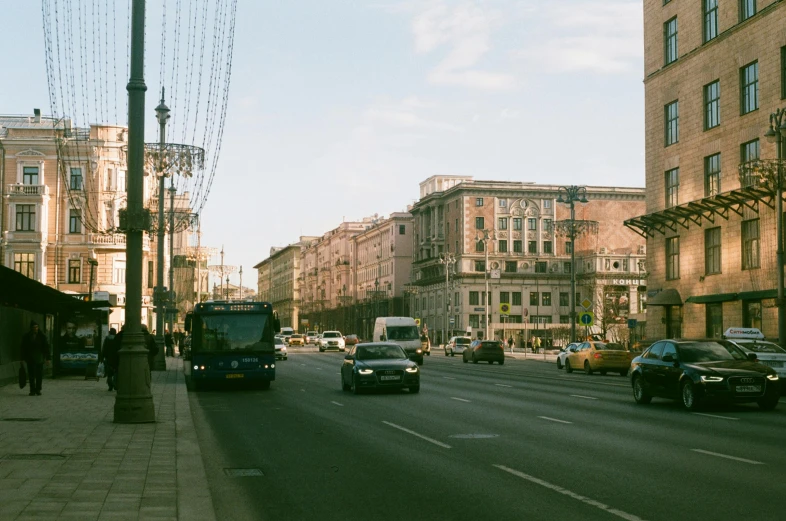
(338, 109)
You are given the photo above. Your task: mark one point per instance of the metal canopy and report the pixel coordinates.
(19, 291)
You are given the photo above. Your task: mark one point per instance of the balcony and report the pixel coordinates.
(27, 190)
(113, 240)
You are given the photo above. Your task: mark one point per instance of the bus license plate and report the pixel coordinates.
(748, 389)
(235, 375)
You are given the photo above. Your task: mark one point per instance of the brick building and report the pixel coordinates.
(713, 74)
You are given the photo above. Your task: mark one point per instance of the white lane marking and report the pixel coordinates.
(715, 416)
(752, 462)
(303, 390)
(319, 368)
(303, 365)
(430, 440)
(448, 378)
(503, 385)
(553, 419)
(459, 399)
(570, 493)
(582, 396)
(339, 404)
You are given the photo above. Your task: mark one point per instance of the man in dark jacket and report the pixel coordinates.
(35, 351)
(110, 358)
(169, 343)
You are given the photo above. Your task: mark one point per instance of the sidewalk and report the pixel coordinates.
(62, 457)
(519, 354)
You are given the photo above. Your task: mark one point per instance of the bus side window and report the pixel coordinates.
(187, 325)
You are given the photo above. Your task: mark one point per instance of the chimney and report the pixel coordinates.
(36, 115)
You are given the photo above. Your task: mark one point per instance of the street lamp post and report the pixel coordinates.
(159, 362)
(777, 133)
(171, 298)
(570, 195)
(486, 236)
(448, 259)
(92, 262)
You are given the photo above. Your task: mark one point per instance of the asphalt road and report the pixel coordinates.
(513, 442)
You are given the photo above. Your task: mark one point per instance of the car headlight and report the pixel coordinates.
(711, 379)
(412, 369)
(419, 351)
(365, 371)
(772, 377)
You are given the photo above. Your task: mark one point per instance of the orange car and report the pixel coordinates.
(297, 340)
(599, 356)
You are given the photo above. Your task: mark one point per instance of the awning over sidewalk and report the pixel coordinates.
(18, 291)
(709, 299)
(666, 297)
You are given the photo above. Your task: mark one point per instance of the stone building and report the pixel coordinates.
(713, 76)
(529, 263)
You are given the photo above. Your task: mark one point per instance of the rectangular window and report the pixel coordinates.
(712, 175)
(402, 229)
(76, 179)
(474, 321)
(24, 263)
(480, 246)
(710, 8)
(712, 251)
(532, 247)
(109, 178)
(479, 201)
(564, 319)
(510, 267)
(541, 267)
(151, 278)
(25, 217)
(672, 187)
(714, 320)
(75, 221)
(546, 203)
(712, 105)
(671, 113)
(119, 272)
(516, 298)
(548, 247)
(517, 247)
(546, 299)
(670, 41)
(480, 266)
(566, 267)
(503, 246)
(749, 152)
(532, 224)
(74, 271)
(30, 175)
(121, 180)
(547, 225)
(672, 258)
(504, 297)
(749, 88)
(503, 223)
(568, 247)
(747, 9)
(564, 299)
(503, 203)
(517, 224)
(479, 223)
(750, 244)
(533, 298)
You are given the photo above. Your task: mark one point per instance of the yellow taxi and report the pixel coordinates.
(602, 357)
(297, 340)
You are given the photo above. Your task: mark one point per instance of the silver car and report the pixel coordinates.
(281, 349)
(457, 344)
(565, 352)
(768, 353)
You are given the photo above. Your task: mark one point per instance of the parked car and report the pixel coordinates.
(351, 340)
(751, 340)
(297, 340)
(599, 356)
(457, 344)
(564, 352)
(695, 371)
(379, 365)
(484, 351)
(331, 340)
(281, 349)
(311, 337)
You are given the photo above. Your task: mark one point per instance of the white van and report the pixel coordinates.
(402, 331)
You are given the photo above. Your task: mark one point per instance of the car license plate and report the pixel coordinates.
(235, 375)
(748, 388)
(386, 378)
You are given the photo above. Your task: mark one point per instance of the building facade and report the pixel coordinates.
(713, 76)
(508, 233)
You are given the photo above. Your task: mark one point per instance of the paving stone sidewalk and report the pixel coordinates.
(62, 457)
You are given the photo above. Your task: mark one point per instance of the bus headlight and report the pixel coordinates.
(196, 368)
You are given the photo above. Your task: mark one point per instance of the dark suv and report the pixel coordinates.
(695, 371)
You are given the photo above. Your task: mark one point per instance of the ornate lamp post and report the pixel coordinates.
(570, 195)
(777, 133)
(448, 259)
(160, 300)
(486, 236)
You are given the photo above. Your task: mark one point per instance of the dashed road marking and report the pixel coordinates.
(459, 399)
(582, 396)
(448, 378)
(339, 404)
(430, 440)
(553, 419)
(735, 458)
(503, 385)
(715, 416)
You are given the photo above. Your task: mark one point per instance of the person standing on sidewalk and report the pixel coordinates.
(110, 358)
(169, 343)
(35, 352)
(510, 343)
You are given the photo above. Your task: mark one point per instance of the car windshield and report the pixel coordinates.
(403, 333)
(332, 334)
(611, 346)
(392, 352)
(762, 347)
(278, 341)
(463, 341)
(697, 352)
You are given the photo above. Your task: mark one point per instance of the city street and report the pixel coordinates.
(519, 441)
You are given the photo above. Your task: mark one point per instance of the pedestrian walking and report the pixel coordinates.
(110, 357)
(536, 344)
(169, 343)
(510, 343)
(35, 352)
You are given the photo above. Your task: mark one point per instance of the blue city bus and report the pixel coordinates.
(231, 342)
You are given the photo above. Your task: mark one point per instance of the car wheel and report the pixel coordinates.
(639, 394)
(285, 358)
(624, 372)
(464, 359)
(502, 362)
(603, 372)
(344, 385)
(568, 368)
(587, 368)
(559, 364)
(768, 402)
(689, 398)
(474, 360)
(452, 353)
(414, 389)
(355, 386)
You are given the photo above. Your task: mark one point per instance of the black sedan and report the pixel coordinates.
(379, 365)
(484, 351)
(695, 371)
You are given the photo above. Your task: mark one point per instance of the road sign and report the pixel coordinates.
(504, 308)
(586, 318)
(417, 322)
(586, 304)
(495, 274)
(452, 320)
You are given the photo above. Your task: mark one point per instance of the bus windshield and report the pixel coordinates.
(241, 332)
(402, 333)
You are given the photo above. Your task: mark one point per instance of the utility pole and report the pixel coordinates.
(241, 282)
(134, 401)
(172, 309)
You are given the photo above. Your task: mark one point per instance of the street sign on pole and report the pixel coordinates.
(586, 304)
(504, 308)
(452, 321)
(586, 318)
